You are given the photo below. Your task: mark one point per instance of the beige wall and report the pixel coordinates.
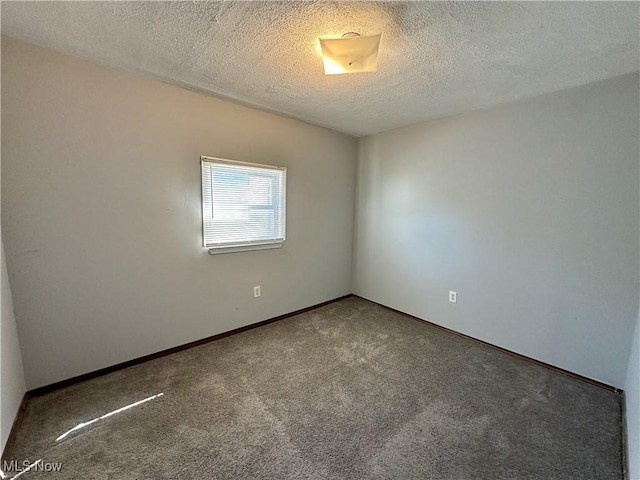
(632, 397)
(102, 221)
(529, 211)
(12, 385)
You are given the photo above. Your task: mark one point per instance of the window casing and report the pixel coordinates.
(243, 205)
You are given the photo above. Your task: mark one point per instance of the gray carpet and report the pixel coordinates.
(348, 391)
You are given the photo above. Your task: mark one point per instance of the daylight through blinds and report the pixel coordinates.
(243, 204)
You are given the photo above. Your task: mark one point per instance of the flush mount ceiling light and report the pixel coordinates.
(350, 54)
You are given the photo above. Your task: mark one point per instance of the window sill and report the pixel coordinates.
(244, 248)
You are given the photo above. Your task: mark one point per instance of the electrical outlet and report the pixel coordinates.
(453, 297)
(256, 291)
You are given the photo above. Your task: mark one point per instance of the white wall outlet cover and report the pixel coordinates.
(256, 291)
(453, 297)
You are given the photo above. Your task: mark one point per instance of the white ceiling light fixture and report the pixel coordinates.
(352, 53)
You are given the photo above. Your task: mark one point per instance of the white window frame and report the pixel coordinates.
(252, 244)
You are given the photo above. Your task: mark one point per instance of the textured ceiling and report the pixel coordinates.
(436, 58)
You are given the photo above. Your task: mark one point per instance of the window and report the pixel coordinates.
(243, 205)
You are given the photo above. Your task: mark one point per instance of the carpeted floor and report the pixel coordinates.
(347, 391)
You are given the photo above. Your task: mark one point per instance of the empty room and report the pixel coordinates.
(320, 240)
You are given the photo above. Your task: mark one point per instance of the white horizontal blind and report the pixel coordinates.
(243, 204)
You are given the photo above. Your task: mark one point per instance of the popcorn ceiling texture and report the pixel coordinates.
(436, 58)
